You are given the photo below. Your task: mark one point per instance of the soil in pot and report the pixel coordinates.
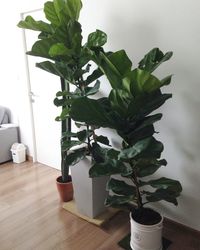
(146, 216)
(65, 189)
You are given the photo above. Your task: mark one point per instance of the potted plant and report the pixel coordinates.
(60, 41)
(134, 96)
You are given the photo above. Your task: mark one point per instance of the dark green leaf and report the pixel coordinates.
(146, 167)
(41, 48)
(59, 49)
(142, 82)
(66, 145)
(121, 187)
(93, 113)
(30, 23)
(50, 13)
(166, 80)
(97, 39)
(116, 200)
(92, 90)
(165, 183)
(153, 59)
(83, 134)
(76, 156)
(102, 139)
(64, 114)
(145, 104)
(94, 76)
(162, 194)
(73, 8)
(109, 168)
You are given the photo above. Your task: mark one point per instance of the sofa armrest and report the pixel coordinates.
(8, 136)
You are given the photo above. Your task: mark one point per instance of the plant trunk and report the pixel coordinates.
(65, 126)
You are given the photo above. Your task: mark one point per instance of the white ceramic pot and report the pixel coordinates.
(89, 193)
(146, 237)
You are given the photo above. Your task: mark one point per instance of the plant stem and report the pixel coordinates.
(138, 194)
(65, 126)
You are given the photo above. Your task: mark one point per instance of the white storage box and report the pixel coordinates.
(18, 152)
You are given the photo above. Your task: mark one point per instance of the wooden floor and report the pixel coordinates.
(32, 218)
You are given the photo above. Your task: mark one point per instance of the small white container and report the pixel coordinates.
(146, 237)
(18, 152)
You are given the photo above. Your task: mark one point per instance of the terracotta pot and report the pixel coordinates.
(65, 189)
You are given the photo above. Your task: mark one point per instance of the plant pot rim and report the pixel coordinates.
(148, 226)
(63, 183)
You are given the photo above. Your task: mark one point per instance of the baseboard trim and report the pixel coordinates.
(173, 224)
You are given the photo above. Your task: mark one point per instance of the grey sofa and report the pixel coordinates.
(8, 135)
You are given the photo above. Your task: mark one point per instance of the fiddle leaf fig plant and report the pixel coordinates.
(130, 110)
(60, 42)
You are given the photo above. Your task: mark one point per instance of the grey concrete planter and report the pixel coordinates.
(89, 193)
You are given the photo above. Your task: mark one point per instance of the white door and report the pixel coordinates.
(43, 88)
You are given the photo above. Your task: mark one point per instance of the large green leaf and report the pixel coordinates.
(164, 183)
(146, 167)
(121, 187)
(153, 59)
(102, 139)
(92, 90)
(76, 156)
(115, 66)
(119, 99)
(147, 103)
(93, 113)
(94, 76)
(162, 194)
(30, 23)
(61, 11)
(109, 168)
(51, 14)
(59, 49)
(41, 48)
(73, 8)
(97, 39)
(66, 145)
(142, 81)
(147, 148)
(116, 201)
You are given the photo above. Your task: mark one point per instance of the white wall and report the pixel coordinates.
(136, 26)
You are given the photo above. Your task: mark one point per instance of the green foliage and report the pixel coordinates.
(128, 109)
(60, 41)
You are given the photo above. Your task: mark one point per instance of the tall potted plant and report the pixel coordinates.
(60, 41)
(134, 96)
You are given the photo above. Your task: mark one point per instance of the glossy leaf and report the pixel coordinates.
(73, 8)
(109, 168)
(116, 201)
(93, 113)
(94, 76)
(148, 148)
(166, 80)
(74, 157)
(102, 139)
(92, 90)
(162, 194)
(30, 23)
(143, 105)
(66, 145)
(153, 59)
(121, 187)
(51, 14)
(143, 82)
(146, 167)
(41, 48)
(59, 49)
(164, 183)
(97, 39)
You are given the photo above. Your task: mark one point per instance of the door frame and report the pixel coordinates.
(28, 81)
